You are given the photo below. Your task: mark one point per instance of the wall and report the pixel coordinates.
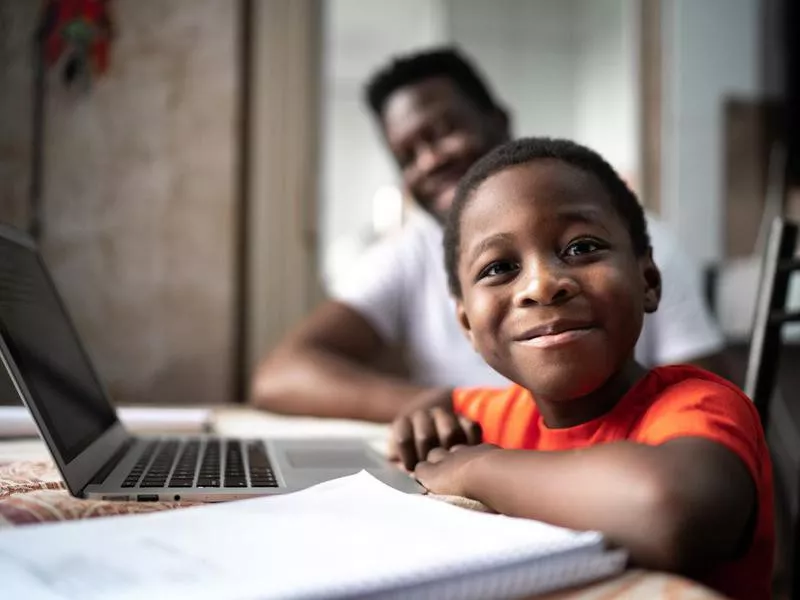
(282, 135)
(527, 50)
(139, 195)
(564, 69)
(607, 101)
(16, 79)
(711, 52)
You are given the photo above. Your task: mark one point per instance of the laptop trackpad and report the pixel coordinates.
(330, 459)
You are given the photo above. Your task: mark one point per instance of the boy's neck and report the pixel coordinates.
(560, 414)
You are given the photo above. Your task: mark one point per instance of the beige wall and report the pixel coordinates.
(139, 193)
(282, 185)
(16, 79)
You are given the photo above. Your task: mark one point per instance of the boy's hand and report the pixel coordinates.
(429, 423)
(446, 472)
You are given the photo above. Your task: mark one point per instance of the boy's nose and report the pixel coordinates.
(544, 285)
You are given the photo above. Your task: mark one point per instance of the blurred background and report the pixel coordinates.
(195, 186)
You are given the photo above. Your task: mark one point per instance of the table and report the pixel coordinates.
(31, 492)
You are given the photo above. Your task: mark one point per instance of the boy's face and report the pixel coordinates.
(436, 134)
(553, 295)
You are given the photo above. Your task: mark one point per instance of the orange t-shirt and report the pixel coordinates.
(668, 403)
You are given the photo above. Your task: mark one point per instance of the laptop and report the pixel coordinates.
(97, 457)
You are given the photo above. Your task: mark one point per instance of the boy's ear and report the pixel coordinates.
(463, 320)
(652, 282)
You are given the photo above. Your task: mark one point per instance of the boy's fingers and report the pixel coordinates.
(421, 473)
(402, 442)
(425, 436)
(437, 455)
(472, 431)
(448, 428)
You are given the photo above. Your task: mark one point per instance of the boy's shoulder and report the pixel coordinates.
(687, 384)
(685, 400)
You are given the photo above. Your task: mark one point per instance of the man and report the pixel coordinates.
(437, 117)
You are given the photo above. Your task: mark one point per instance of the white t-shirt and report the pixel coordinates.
(400, 287)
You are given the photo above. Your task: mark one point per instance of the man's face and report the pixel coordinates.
(436, 133)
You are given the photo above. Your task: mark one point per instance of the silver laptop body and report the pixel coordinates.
(97, 457)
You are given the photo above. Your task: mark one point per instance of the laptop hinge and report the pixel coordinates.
(110, 464)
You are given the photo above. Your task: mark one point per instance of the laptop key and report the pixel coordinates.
(255, 480)
(180, 484)
(208, 483)
(261, 474)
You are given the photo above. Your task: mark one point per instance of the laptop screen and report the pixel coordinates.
(44, 346)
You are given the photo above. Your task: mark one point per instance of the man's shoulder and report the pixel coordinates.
(420, 228)
(419, 234)
(404, 271)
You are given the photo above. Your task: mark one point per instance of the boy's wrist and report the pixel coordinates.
(477, 476)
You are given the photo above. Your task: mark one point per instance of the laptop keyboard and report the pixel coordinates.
(208, 463)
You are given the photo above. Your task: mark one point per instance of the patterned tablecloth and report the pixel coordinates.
(32, 492)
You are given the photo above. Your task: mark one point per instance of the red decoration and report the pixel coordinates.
(79, 29)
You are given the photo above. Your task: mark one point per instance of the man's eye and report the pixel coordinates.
(581, 247)
(404, 161)
(441, 128)
(500, 267)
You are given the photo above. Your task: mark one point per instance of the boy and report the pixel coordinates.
(549, 260)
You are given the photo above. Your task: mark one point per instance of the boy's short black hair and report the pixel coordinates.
(413, 68)
(527, 150)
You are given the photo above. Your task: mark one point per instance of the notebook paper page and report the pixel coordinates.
(344, 537)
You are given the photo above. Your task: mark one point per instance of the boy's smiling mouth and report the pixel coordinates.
(555, 333)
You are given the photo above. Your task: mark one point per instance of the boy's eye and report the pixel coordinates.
(582, 247)
(498, 267)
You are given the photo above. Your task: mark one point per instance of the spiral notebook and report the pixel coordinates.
(351, 537)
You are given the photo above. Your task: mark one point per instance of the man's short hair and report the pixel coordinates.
(413, 68)
(528, 150)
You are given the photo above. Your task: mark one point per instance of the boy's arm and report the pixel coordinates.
(323, 369)
(675, 507)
